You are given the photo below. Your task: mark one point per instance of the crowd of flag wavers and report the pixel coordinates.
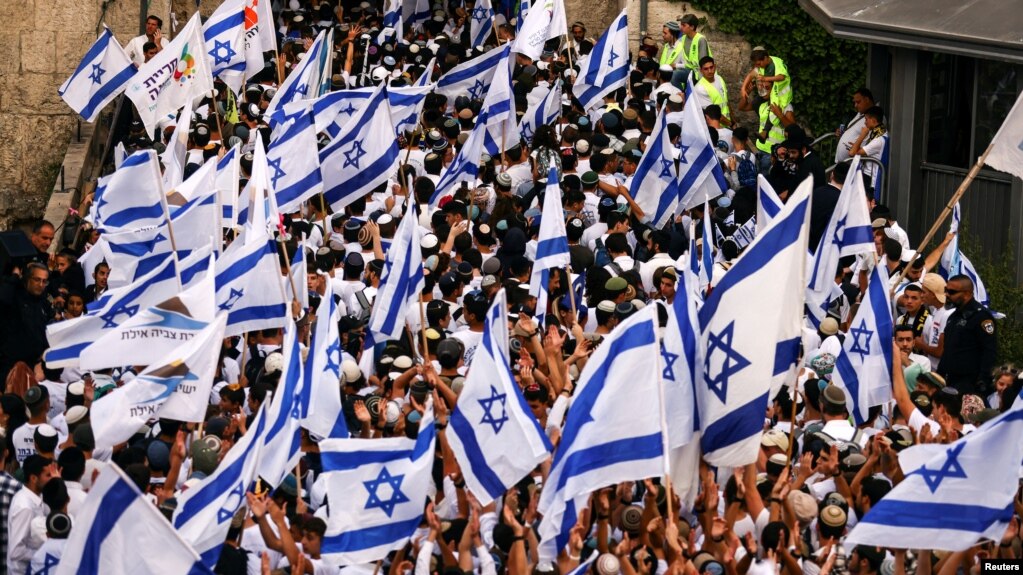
(393, 288)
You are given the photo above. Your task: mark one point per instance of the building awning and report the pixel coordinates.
(990, 29)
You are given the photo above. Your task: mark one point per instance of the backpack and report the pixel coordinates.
(631, 275)
(600, 256)
(746, 170)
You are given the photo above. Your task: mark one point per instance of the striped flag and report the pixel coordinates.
(101, 75)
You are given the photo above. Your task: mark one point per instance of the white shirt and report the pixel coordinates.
(76, 497)
(58, 397)
(647, 269)
(24, 442)
(135, 51)
(471, 339)
(934, 326)
(848, 137)
(25, 506)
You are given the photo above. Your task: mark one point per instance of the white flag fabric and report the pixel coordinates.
(323, 372)
(848, 233)
(69, 338)
(750, 333)
(472, 77)
(362, 156)
(401, 281)
(224, 35)
(499, 108)
(132, 197)
(228, 172)
(117, 531)
(281, 443)
(953, 495)
(864, 366)
(293, 162)
(386, 483)
(545, 20)
(768, 203)
(195, 220)
(546, 111)
(1006, 153)
(655, 183)
(606, 67)
(175, 387)
(204, 511)
(248, 286)
(178, 72)
(260, 35)
(491, 415)
(303, 83)
(173, 158)
(154, 332)
(699, 172)
(101, 75)
(608, 436)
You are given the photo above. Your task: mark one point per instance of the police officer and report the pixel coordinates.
(970, 343)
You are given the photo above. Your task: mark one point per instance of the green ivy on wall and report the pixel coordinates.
(825, 70)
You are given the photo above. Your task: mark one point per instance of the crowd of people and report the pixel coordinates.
(816, 473)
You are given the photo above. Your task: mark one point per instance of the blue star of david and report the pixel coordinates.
(685, 150)
(302, 89)
(375, 502)
(334, 350)
(48, 561)
(477, 89)
(951, 468)
(527, 131)
(234, 499)
(349, 110)
(355, 150)
(837, 238)
(480, 14)
(109, 317)
(733, 362)
(275, 164)
(97, 74)
(856, 332)
(666, 166)
(669, 363)
(488, 404)
(611, 58)
(236, 294)
(222, 53)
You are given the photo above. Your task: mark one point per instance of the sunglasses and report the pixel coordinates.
(952, 291)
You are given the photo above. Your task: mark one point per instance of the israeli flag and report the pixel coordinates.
(499, 104)
(248, 278)
(386, 483)
(282, 440)
(224, 35)
(69, 338)
(362, 156)
(101, 75)
(492, 414)
(608, 437)
(323, 372)
(472, 78)
(706, 267)
(953, 495)
(295, 285)
(228, 175)
(544, 112)
(466, 165)
(118, 531)
(848, 233)
(750, 328)
(523, 12)
(655, 184)
(768, 203)
(864, 366)
(194, 214)
(482, 23)
(420, 13)
(304, 81)
(175, 387)
(544, 22)
(391, 24)
(156, 331)
(204, 511)
(132, 197)
(954, 262)
(699, 173)
(293, 163)
(401, 281)
(606, 67)
(132, 254)
(552, 242)
(406, 105)
(332, 110)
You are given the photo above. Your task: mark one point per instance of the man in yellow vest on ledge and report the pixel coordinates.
(772, 69)
(683, 48)
(712, 89)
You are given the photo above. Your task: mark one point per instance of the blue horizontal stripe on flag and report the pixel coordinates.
(482, 67)
(786, 353)
(551, 247)
(700, 164)
(369, 537)
(735, 426)
(295, 190)
(237, 316)
(115, 502)
(857, 235)
(235, 20)
(934, 515)
(611, 453)
(131, 215)
(349, 460)
(99, 99)
(477, 461)
(100, 46)
(61, 353)
(244, 265)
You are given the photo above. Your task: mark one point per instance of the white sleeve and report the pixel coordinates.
(423, 559)
(557, 414)
(918, 420)
(486, 560)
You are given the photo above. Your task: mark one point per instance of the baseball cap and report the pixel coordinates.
(936, 285)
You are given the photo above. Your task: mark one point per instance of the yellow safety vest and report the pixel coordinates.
(692, 57)
(783, 89)
(668, 57)
(716, 97)
(776, 134)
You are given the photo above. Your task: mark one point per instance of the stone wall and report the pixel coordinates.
(41, 43)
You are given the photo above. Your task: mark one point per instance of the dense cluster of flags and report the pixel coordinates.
(705, 378)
